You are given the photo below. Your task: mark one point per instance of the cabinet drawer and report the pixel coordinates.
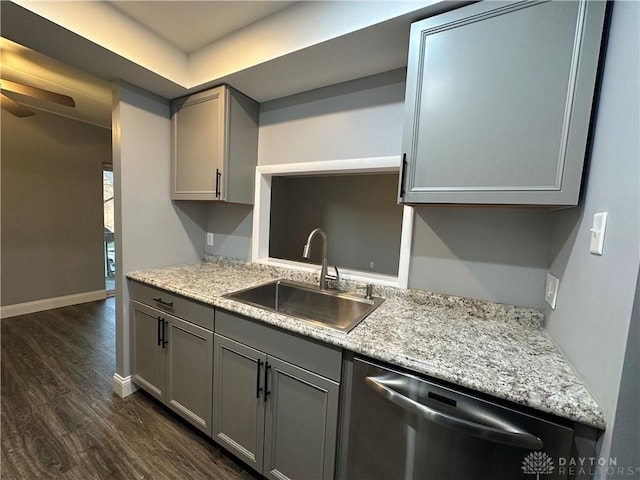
(320, 358)
(191, 310)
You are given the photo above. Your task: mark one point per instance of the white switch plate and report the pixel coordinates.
(210, 239)
(597, 233)
(551, 290)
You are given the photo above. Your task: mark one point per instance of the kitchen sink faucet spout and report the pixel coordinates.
(306, 253)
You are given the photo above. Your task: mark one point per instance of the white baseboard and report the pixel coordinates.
(7, 311)
(123, 386)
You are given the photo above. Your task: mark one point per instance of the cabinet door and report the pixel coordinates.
(301, 423)
(238, 400)
(148, 357)
(499, 101)
(199, 146)
(189, 371)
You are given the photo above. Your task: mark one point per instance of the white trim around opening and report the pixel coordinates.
(262, 209)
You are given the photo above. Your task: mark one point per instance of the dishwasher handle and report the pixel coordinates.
(514, 436)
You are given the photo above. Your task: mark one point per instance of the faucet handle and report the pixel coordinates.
(334, 278)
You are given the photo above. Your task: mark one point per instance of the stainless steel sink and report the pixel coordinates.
(339, 310)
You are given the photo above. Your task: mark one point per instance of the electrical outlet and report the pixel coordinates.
(551, 290)
(210, 239)
(372, 264)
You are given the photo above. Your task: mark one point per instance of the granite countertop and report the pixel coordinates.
(497, 349)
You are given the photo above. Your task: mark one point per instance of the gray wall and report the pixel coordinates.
(231, 225)
(591, 321)
(497, 254)
(352, 120)
(357, 119)
(492, 254)
(154, 231)
(52, 226)
(359, 213)
(625, 445)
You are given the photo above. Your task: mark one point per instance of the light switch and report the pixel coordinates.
(551, 290)
(596, 246)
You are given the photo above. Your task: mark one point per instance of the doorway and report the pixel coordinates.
(109, 230)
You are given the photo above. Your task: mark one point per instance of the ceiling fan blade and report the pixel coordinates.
(35, 92)
(14, 107)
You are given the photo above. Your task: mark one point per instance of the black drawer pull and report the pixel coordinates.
(403, 173)
(162, 302)
(164, 333)
(266, 379)
(159, 330)
(218, 175)
(258, 387)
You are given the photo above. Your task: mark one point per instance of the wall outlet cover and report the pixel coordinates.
(210, 239)
(551, 290)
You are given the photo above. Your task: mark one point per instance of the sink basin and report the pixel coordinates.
(338, 310)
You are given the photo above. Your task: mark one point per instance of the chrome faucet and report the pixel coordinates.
(306, 253)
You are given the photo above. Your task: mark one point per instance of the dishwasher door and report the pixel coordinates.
(404, 427)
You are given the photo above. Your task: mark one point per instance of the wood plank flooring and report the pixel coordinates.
(59, 418)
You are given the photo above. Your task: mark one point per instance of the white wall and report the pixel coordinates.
(591, 321)
(52, 225)
(154, 231)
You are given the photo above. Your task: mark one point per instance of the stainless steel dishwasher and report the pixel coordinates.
(401, 426)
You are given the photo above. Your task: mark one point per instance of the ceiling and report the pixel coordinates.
(178, 22)
(91, 94)
(190, 25)
(266, 49)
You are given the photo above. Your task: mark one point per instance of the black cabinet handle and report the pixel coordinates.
(403, 172)
(164, 333)
(266, 379)
(218, 175)
(162, 302)
(159, 328)
(258, 387)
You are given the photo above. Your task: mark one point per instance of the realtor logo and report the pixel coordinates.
(537, 463)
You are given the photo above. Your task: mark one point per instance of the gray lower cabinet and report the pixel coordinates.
(148, 358)
(238, 415)
(172, 359)
(301, 423)
(498, 103)
(276, 416)
(189, 365)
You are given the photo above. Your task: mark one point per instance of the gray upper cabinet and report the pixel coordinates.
(172, 359)
(275, 399)
(214, 146)
(498, 103)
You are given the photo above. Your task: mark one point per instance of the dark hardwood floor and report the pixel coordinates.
(60, 418)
